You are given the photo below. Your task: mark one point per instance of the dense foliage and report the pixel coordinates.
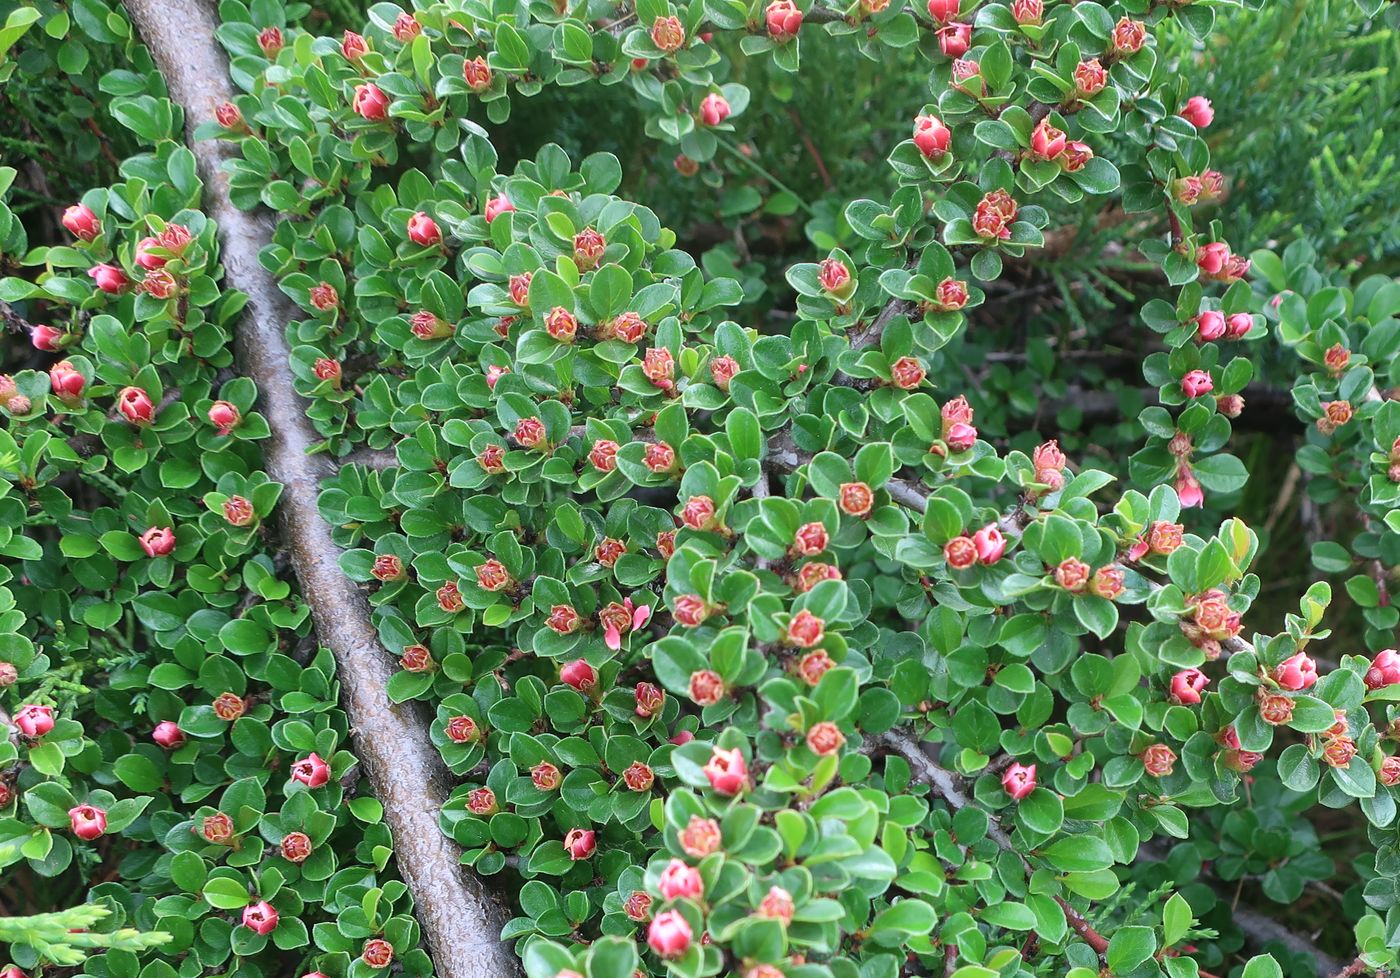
(824, 597)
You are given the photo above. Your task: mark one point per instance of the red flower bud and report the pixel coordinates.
(589, 247)
(563, 620)
(1090, 78)
(324, 298)
(1196, 383)
(387, 567)
(1389, 773)
(943, 10)
(690, 610)
(1128, 36)
(82, 222)
(493, 576)
(1186, 686)
(481, 802)
(805, 629)
(1047, 142)
(327, 369)
(270, 40)
(417, 658)
(260, 918)
(856, 499)
(579, 674)
(650, 699)
(47, 339)
(669, 935)
(477, 74)
(423, 230)
(782, 18)
(109, 278)
(546, 776)
(907, 373)
(228, 116)
(1072, 574)
(1027, 12)
(531, 433)
(217, 828)
(1298, 671)
(295, 847)
(990, 544)
(1275, 708)
(377, 952)
(727, 772)
(638, 777)
(461, 730)
(698, 513)
(238, 511)
(951, 294)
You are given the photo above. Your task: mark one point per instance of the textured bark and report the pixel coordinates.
(460, 920)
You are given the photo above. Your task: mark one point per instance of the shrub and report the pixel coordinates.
(796, 649)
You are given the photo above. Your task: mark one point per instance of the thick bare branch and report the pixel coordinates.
(460, 920)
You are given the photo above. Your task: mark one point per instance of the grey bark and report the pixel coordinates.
(461, 921)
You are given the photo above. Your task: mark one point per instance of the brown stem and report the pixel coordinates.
(461, 921)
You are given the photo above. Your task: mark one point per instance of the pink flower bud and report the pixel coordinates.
(960, 437)
(1027, 12)
(311, 771)
(809, 540)
(228, 116)
(406, 28)
(224, 417)
(260, 918)
(1018, 780)
(1187, 684)
(580, 843)
(805, 629)
(1047, 142)
(955, 39)
(1210, 325)
(109, 278)
(66, 382)
(668, 34)
(1090, 78)
(158, 541)
(1158, 760)
(87, 822)
(637, 907)
(1239, 324)
(855, 499)
(1230, 405)
(659, 367)
(477, 74)
(561, 325)
(1188, 490)
(324, 297)
(722, 371)
(681, 882)
(327, 369)
(727, 771)
(669, 935)
(1076, 156)
(580, 675)
(943, 10)
(144, 256)
(47, 339)
(825, 738)
(1072, 574)
(423, 230)
(659, 457)
(1212, 258)
(295, 848)
(377, 952)
(34, 721)
(835, 278)
(1298, 671)
(498, 205)
(777, 904)
(81, 222)
(960, 552)
(353, 46)
(1107, 582)
(461, 730)
(1275, 708)
(1198, 111)
(700, 837)
(270, 40)
(531, 433)
(1384, 670)
(990, 544)
(370, 102)
(782, 19)
(417, 658)
(168, 734)
(706, 687)
(1196, 383)
(698, 513)
(931, 136)
(714, 109)
(1389, 774)
(951, 295)
(1128, 36)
